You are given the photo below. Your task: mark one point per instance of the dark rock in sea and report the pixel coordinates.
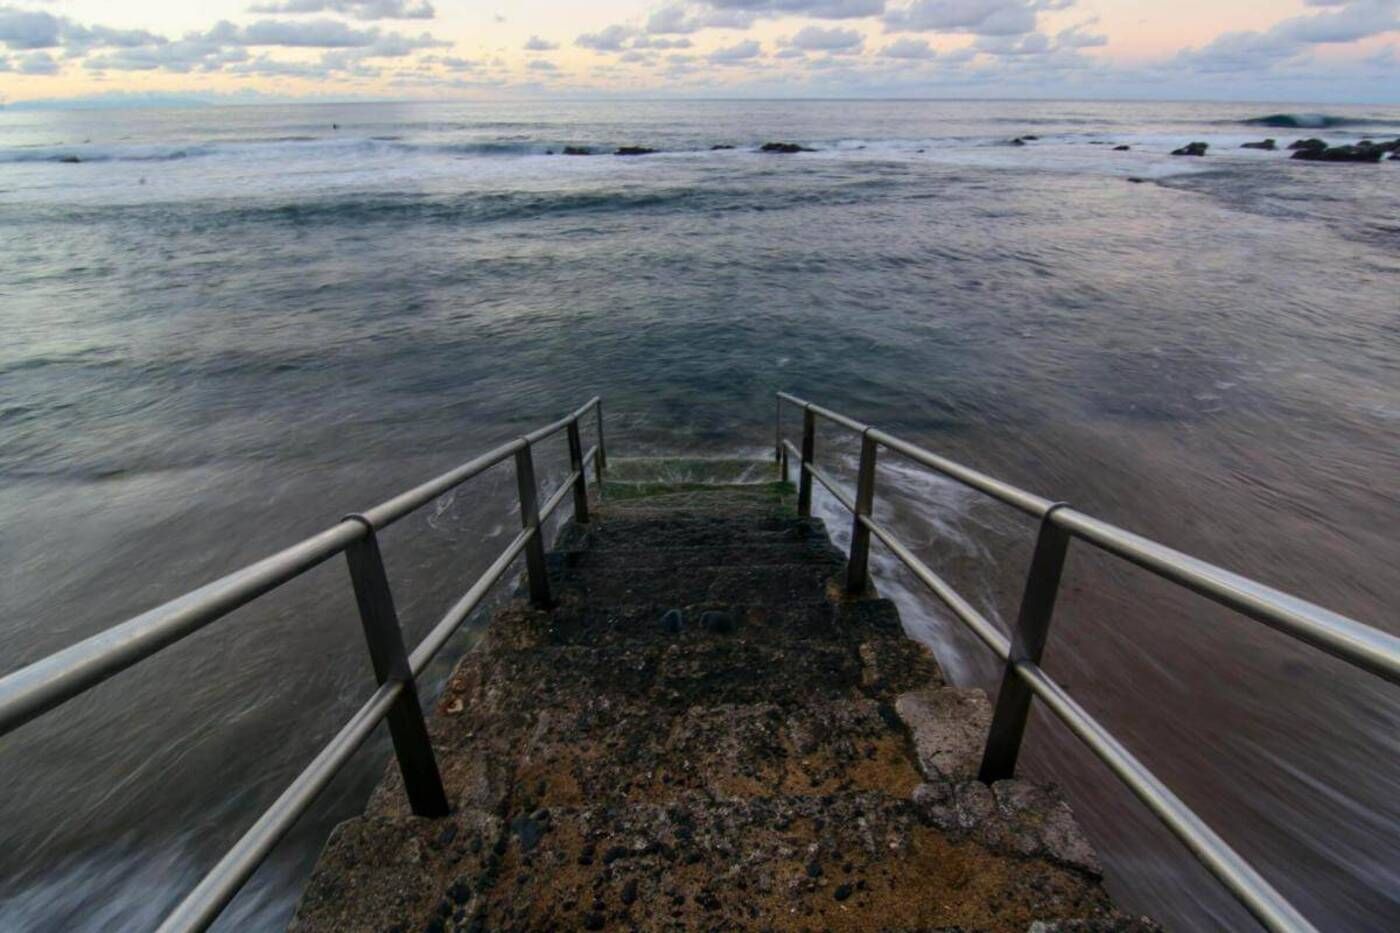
(1192, 149)
(70, 160)
(1313, 143)
(634, 151)
(718, 147)
(1341, 154)
(1122, 148)
(549, 152)
(1395, 156)
(1018, 141)
(1268, 145)
(1030, 139)
(1392, 146)
(785, 148)
(577, 150)
(1135, 180)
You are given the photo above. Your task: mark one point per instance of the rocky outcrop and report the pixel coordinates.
(577, 151)
(705, 733)
(1192, 149)
(1268, 145)
(1307, 144)
(1122, 148)
(784, 148)
(635, 151)
(1341, 154)
(720, 147)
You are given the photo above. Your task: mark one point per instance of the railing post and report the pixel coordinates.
(530, 520)
(602, 447)
(858, 567)
(778, 435)
(577, 465)
(804, 479)
(412, 746)
(783, 465)
(1027, 644)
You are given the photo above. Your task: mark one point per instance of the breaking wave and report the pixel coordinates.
(1313, 121)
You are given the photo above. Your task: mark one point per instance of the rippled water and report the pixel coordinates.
(225, 328)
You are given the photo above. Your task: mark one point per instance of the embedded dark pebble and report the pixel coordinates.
(613, 854)
(843, 892)
(672, 622)
(717, 623)
(593, 922)
(814, 870)
(629, 891)
(460, 892)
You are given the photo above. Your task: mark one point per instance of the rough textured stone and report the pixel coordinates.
(949, 726)
(698, 739)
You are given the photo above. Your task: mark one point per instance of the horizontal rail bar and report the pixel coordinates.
(1363, 646)
(534, 437)
(201, 906)
(1027, 502)
(559, 495)
(1033, 505)
(981, 627)
(39, 687)
(385, 514)
(1368, 648)
(822, 477)
(432, 643)
(1256, 894)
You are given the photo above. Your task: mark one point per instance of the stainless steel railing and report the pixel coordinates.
(33, 690)
(1023, 678)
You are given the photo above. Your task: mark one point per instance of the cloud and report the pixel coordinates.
(1292, 39)
(37, 63)
(610, 39)
(539, 64)
(817, 39)
(359, 9)
(536, 44)
(908, 49)
(816, 9)
(29, 29)
(660, 42)
(1076, 38)
(978, 17)
(1034, 43)
(739, 52)
(318, 34)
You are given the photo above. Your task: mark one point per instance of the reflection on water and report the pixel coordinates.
(212, 365)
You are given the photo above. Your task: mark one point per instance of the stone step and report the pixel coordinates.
(689, 529)
(690, 470)
(850, 860)
(769, 585)
(616, 558)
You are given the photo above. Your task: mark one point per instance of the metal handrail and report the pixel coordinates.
(1357, 644)
(45, 684)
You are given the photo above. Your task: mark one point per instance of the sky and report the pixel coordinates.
(235, 50)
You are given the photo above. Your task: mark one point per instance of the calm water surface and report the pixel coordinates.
(225, 328)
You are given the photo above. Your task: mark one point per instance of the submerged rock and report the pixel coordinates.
(1192, 149)
(1030, 139)
(70, 160)
(719, 146)
(634, 151)
(1122, 148)
(1313, 143)
(786, 148)
(1268, 145)
(1018, 141)
(577, 150)
(1341, 154)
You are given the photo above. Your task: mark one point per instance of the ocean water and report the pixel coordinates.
(227, 327)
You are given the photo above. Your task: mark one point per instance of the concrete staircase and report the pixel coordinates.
(705, 733)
